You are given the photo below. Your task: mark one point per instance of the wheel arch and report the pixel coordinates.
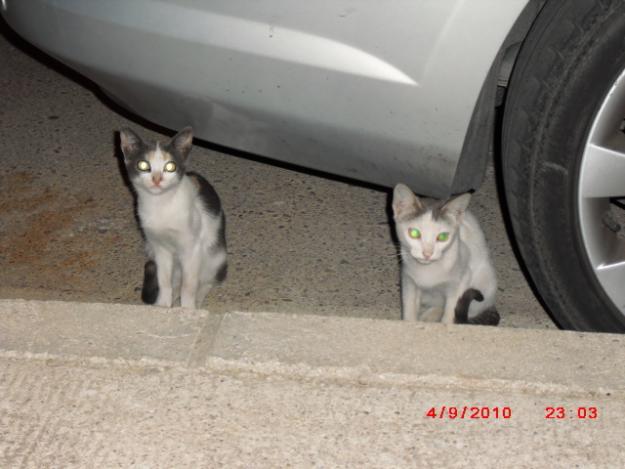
(480, 137)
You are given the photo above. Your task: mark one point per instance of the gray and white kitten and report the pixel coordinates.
(182, 219)
(444, 256)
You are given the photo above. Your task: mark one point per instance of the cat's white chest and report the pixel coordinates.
(166, 228)
(170, 219)
(165, 217)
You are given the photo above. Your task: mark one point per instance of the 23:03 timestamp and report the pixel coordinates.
(582, 413)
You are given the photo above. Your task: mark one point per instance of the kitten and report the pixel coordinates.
(444, 254)
(182, 219)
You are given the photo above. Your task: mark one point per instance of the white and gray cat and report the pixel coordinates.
(182, 219)
(444, 258)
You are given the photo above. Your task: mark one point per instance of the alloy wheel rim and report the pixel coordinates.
(601, 180)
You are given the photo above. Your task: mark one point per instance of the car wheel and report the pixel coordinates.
(563, 150)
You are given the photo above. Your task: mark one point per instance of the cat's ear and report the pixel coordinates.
(405, 203)
(130, 142)
(456, 206)
(182, 142)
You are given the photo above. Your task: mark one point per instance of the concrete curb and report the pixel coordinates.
(106, 385)
(534, 360)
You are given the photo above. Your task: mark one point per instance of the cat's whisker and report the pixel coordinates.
(393, 255)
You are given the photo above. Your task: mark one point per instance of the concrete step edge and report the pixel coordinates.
(315, 347)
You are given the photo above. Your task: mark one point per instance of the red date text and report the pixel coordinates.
(469, 412)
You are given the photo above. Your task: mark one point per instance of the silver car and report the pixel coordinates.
(418, 91)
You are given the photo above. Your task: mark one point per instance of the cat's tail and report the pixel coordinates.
(488, 317)
(149, 293)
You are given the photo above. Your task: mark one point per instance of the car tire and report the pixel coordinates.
(570, 62)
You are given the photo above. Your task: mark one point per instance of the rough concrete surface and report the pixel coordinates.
(298, 242)
(253, 390)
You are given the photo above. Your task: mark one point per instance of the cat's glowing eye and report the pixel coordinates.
(170, 167)
(143, 165)
(414, 233)
(442, 236)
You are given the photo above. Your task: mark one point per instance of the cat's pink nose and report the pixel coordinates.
(427, 255)
(156, 180)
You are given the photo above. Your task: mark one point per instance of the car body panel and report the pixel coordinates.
(377, 91)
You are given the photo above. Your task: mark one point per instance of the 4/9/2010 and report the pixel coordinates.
(469, 412)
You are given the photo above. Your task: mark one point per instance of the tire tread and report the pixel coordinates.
(546, 64)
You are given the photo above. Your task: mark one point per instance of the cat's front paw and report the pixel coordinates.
(187, 301)
(164, 299)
